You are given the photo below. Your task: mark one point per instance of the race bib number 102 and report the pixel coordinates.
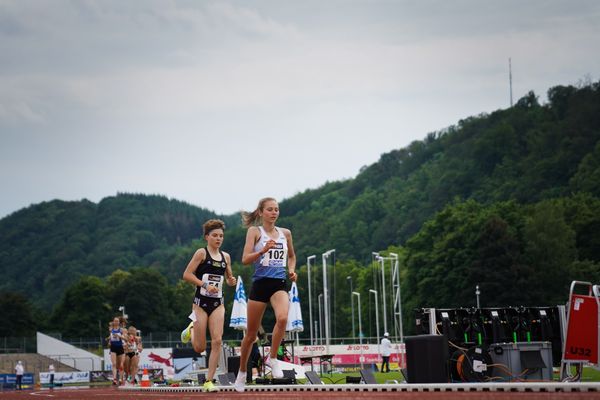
(275, 257)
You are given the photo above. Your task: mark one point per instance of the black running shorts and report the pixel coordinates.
(264, 288)
(208, 304)
(118, 349)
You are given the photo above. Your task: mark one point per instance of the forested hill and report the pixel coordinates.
(527, 153)
(46, 247)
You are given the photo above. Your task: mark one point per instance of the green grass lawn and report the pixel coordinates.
(589, 375)
(338, 379)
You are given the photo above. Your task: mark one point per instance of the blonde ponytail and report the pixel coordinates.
(253, 218)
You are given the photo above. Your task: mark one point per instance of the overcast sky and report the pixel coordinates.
(220, 103)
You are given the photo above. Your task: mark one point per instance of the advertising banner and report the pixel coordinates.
(66, 377)
(9, 380)
(342, 358)
(100, 376)
(153, 358)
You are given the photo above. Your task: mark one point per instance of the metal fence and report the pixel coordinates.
(9, 345)
(12, 345)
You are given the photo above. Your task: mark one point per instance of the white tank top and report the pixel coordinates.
(271, 264)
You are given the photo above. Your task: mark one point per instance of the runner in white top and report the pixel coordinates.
(270, 249)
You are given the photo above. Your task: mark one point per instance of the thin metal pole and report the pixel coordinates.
(321, 317)
(326, 300)
(360, 334)
(352, 303)
(310, 307)
(333, 295)
(382, 261)
(326, 315)
(510, 80)
(376, 318)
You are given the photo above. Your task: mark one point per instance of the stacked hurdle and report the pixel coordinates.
(581, 338)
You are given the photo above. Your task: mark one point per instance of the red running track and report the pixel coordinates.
(109, 393)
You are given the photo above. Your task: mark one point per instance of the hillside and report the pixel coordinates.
(529, 155)
(46, 247)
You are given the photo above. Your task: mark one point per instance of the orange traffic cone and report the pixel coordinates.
(145, 380)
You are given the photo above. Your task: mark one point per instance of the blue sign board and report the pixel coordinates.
(9, 380)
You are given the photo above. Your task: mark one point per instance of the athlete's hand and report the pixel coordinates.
(212, 289)
(269, 245)
(293, 276)
(231, 281)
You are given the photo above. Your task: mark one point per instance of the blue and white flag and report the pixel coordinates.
(240, 306)
(294, 322)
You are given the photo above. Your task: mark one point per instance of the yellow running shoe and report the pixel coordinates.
(210, 387)
(186, 334)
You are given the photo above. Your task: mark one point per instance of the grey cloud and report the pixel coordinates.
(106, 86)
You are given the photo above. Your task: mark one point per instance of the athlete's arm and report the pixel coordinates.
(249, 255)
(231, 281)
(291, 261)
(189, 273)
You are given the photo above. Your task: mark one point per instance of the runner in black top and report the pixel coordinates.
(207, 270)
(212, 272)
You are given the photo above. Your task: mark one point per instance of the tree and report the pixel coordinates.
(497, 266)
(587, 177)
(18, 317)
(550, 250)
(145, 293)
(84, 309)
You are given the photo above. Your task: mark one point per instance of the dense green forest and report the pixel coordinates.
(508, 200)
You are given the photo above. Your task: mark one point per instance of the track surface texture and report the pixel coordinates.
(307, 392)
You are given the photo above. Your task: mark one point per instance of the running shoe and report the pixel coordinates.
(240, 381)
(210, 387)
(276, 371)
(186, 334)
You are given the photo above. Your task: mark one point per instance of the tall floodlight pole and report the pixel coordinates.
(376, 318)
(308, 260)
(321, 318)
(374, 258)
(352, 303)
(382, 262)
(360, 332)
(326, 299)
(510, 80)
(398, 294)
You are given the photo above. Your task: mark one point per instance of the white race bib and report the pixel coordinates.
(275, 257)
(212, 280)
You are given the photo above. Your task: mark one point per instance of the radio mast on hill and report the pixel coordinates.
(510, 81)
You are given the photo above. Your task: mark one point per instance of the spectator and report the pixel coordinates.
(386, 351)
(51, 374)
(19, 370)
